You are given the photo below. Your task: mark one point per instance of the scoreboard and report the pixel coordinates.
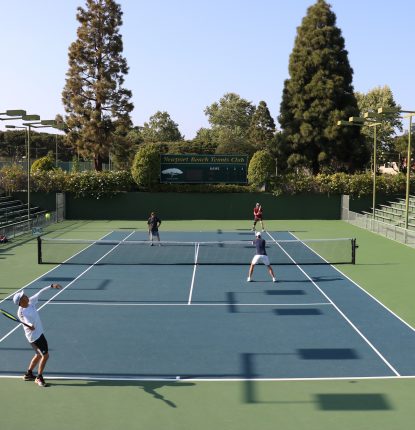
(203, 169)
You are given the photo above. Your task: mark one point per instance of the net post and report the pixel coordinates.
(39, 250)
(354, 251)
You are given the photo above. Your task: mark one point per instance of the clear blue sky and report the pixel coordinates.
(186, 54)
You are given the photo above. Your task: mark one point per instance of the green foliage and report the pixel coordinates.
(83, 184)
(187, 147)
(233, 142)
(317, 94)
(204, 136)
(75, 164)
(262, 127)
(43, 164)
(50, 181)
(261, 168)
(400, 146)
(370, 102)
(98, 184)
(339, 183)
(231, 112)
(146, 166)
(161, 128)
(97, 105)
(13, 178)
(13, 143)
(203, 188)
(296, 161)
(184, 147)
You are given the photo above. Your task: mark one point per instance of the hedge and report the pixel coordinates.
(100, 184)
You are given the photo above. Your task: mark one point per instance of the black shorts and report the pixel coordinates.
(40, 345)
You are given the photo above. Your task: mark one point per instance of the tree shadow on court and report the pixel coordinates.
(149, 387)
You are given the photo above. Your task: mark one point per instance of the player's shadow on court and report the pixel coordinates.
(149, 387)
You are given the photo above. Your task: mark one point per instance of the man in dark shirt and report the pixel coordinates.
(260, 256)
(153, 227)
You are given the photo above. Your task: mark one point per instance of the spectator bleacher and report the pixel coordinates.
(13, 211)
(394, 213)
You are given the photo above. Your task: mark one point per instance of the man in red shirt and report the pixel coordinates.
(258, 216)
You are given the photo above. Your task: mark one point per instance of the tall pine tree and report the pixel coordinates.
(97, 106)
(318, 93)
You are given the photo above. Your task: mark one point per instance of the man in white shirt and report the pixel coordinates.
(28, 313)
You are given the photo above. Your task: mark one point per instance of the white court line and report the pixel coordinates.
(189, 302)
(70, 283)
(340, 311)
(186, 304)
(198, 379)
(51, 270)
(361, 288)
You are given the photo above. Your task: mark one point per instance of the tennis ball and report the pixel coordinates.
(47, 216)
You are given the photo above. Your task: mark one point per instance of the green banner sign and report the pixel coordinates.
(203, 169)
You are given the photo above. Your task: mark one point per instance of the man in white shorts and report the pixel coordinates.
(28, 313)
(260, 256)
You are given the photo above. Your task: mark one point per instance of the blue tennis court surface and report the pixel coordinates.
(162, 321)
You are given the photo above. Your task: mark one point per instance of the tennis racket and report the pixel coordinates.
(13, 318)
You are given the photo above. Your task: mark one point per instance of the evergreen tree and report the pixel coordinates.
(318, 93)
(96, 103)
(262, 127)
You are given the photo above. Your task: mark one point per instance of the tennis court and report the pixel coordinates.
(131, 312)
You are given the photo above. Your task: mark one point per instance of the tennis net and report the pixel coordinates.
(99, 252)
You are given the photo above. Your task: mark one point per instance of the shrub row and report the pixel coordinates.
(100, 184)
(81, 184)
(339, 183)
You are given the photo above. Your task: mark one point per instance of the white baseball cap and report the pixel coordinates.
(258, 234)
(17, 297)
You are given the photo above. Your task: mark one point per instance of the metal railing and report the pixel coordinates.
(32, 225)
(390, 231)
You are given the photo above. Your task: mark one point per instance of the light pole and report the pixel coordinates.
(28, 125)
(18, 114)
(41, 124)
(368, 119)
(407, 114)
(13, 114)
(21, 114)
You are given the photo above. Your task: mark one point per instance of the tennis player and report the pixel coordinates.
(153, 227)
(28, 313)
(258, 216)
(260, 256)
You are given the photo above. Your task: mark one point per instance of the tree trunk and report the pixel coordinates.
(98, 163)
